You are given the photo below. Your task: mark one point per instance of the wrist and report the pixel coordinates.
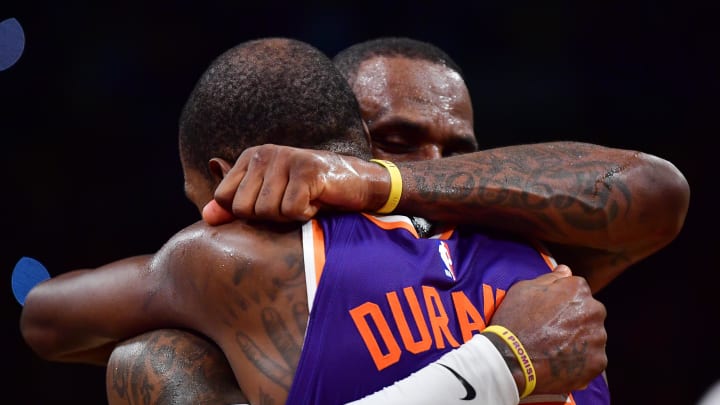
(378, 183)
(521, 355)
(512, 362)
(392, 185)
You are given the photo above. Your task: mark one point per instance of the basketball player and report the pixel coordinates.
(229, 283)
(411, 129)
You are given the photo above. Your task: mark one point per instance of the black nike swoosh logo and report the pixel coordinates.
(468, 388)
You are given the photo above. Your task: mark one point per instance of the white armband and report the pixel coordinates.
(474, 373)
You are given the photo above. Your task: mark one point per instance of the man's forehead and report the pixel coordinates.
(407, 75)
(382, 68)
(417, 86)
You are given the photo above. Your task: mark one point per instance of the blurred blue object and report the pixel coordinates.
(12, 42)
(27, 273)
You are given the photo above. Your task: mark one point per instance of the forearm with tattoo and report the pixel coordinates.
(170, 367)
(601, 209)
(560, 188)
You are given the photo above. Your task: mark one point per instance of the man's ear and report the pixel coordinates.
(367, 133)
(219, 167)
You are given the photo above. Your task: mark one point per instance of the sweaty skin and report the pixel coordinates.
(414, 109)
(598, 209)
(241, 285)
(190, 359)
(253, 305)
(579, 186)
(291, 184)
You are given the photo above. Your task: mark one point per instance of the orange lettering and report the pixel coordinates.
(438, 318)
(468, 316)
(488, 301)
(381, 360)
(500, 296)
(410, 344)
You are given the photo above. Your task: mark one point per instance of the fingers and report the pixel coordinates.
(249, 178)
(560, 272)
(214, 214)
(274, 183)
(284, 177)
(296, 202)
(277, 183)
(256, 184)
(225, 191)
(268, 182)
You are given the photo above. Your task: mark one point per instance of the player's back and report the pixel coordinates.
(243, 286)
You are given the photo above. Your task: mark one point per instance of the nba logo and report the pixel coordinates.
(444, 250)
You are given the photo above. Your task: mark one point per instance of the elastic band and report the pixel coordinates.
(523, 357)
(395, 186)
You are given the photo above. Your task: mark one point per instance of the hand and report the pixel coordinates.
(282, 183)
(560, 325)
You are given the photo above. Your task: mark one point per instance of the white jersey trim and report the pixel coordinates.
(308, 246)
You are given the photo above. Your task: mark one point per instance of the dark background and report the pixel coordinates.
(90, 171)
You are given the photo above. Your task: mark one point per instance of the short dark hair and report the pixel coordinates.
(348, 60)
(271, 90)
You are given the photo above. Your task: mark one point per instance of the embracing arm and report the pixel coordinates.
(601, 209)
(170, 366)
(555, 316)
(557, 321)
(78, 316)
(236, 285)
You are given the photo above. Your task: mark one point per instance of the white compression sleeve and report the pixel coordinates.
(474, 373)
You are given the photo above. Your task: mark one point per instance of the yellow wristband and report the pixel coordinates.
(523, 357)
(395, 186)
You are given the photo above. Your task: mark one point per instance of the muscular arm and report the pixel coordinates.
(554, 315)
(168, 367)
(242, 287)
(78, 316)
(601, 209)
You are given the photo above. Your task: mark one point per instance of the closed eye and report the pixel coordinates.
(460, 146)
(393, 145)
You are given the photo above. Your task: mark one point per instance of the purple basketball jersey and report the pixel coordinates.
(388, 302)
